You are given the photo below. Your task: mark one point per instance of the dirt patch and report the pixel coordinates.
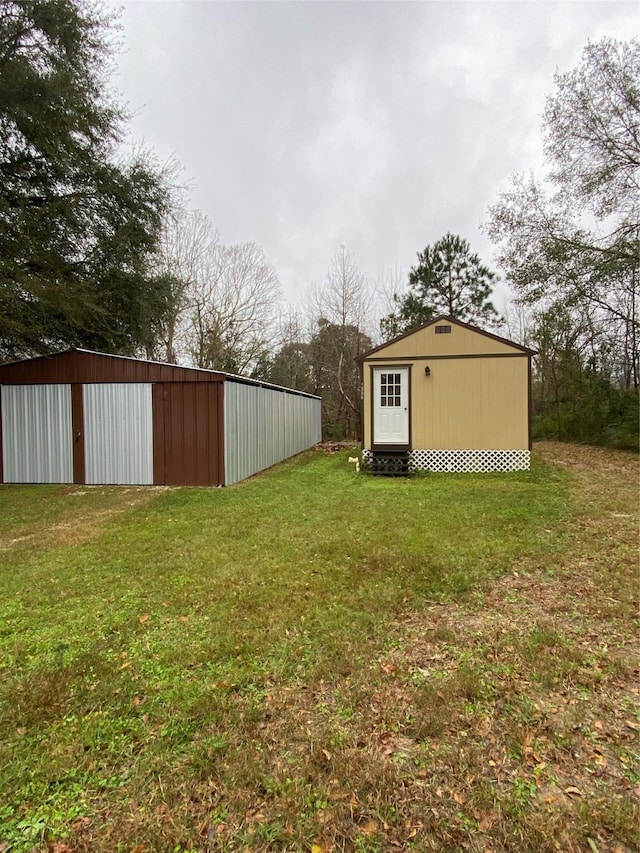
(87, 525)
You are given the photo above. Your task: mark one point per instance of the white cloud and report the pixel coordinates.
(376, 125)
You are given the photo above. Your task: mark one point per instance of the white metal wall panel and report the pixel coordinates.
(118, 434)
(263, 426)
(37, 440)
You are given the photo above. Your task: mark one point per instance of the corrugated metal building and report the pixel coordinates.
(86, 417)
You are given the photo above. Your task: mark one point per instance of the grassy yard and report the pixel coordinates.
(320, 661)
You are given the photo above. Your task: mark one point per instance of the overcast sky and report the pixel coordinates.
(380, 126)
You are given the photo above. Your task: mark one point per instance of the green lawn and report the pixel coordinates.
(319, 660)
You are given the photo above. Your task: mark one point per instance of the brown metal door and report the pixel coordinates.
(188, 434)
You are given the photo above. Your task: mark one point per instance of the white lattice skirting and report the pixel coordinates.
(465, 460)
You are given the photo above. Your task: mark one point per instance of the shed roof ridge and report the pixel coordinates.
(134, 358)
(449, 319)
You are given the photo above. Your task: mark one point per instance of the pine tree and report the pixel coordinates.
(448, 279)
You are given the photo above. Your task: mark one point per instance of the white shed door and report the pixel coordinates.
(118, 434)
(37, 444)
(391, 405)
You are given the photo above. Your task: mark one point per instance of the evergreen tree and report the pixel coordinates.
(448, 279)
(77, 227)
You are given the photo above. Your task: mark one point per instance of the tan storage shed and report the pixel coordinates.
(447, 396)
(88, 417)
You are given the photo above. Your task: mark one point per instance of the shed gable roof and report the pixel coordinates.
(86, 367)
(422, 342)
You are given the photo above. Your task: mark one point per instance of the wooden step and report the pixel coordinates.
(388, 464)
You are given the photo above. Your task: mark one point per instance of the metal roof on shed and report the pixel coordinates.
(86, 366)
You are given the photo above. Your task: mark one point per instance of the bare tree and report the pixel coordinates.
(290, 366)
(341, 309)
(390, 284)
(224, 299)
(345, 298)
(233, 309)
(519, 321)
(184, 260)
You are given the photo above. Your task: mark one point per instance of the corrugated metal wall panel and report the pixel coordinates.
(37, 440)
(263, 426)
(118, 434)
(189, 431)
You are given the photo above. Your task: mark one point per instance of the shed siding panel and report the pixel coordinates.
(157, 401)
(263, 426)
(77, 425)
(191, 433)
(479, 404)
(118, 434)
(465, 404)
(36, 434)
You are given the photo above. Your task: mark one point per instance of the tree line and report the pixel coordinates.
(569, 246)
(99, 249)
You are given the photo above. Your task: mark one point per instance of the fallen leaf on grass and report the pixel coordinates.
(369, 828)
(572, 791)
(142, 619)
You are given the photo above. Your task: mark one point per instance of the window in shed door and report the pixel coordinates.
(390, 390)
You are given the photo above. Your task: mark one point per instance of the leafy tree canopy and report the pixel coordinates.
(448, 279)
(77, 227)
(591, 129)
(578, 246)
